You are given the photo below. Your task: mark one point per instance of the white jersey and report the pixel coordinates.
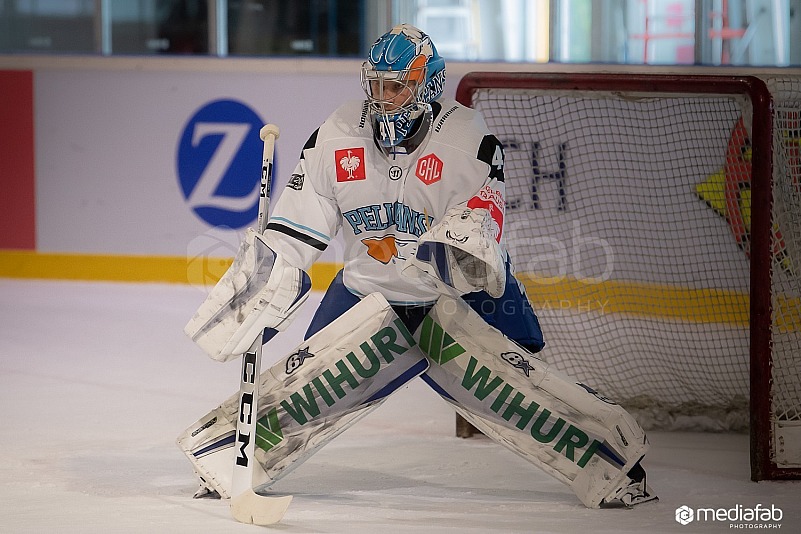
(381, 203)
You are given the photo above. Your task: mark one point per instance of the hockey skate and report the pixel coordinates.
(633, 492)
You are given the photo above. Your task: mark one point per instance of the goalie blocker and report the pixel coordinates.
(334, 378)
(260, 290)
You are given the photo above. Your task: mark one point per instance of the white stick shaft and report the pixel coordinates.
(242, 479)
(269, 133)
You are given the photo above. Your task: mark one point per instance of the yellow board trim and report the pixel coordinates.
(657, 301)
(560, 293)
(636, 298)
(131, 268)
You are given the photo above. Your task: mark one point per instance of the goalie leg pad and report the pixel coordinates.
(330, 381)
(260, 290)
(567, 429)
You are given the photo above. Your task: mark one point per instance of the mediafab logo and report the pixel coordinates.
(685, 515)
(738, 516)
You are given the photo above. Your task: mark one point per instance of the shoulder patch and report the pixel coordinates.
(350, 164)
(295, 182)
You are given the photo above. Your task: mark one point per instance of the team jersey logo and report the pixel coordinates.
(385, 248)
(350, 164)
(377, 218)
(429, 169)
(491, 200)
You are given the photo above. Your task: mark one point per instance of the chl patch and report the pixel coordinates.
(350, 164)
(429, 169)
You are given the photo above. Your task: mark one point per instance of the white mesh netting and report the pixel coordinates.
(628, 218)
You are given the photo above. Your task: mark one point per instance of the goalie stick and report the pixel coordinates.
(247, 506)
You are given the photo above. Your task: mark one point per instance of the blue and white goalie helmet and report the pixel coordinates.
(402, 76)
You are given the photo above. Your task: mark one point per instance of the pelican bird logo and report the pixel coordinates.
(350, 163)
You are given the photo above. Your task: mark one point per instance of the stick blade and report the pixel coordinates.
(251, 508)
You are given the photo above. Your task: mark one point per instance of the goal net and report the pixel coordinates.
(655, 222)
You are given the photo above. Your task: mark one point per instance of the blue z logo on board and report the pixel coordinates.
(219, 167)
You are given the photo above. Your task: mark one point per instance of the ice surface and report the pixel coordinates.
(97, 380)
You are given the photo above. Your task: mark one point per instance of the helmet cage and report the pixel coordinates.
(393, 117)
(383, 87)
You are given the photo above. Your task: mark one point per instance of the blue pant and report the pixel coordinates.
(511, 313)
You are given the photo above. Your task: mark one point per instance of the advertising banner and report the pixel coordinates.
(17, 181)
(149, 163)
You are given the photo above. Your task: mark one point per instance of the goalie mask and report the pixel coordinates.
(402, 76)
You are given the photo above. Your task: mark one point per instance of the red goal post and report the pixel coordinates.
(528, 111)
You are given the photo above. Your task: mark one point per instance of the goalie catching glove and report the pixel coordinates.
(260, 290)
(460, 253)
